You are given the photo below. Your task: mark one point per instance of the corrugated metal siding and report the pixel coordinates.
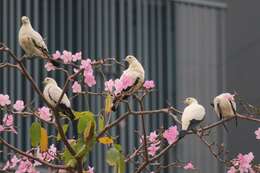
(178, 43)
(200, 70)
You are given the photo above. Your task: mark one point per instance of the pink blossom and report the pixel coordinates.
(171, 134)
(153, 149)
(56, 55)
(45, 113)
(19, 105)
(90, 169)
(76, 87)
(66, 57)
(14, 161)
(257, 133)
(244, 161)
(109, 85)
(47, 156)
(149, 84)
(76, 56)
(89, 79)
(118, 86)
(189, 166)
(4, 100)
(24, 166)
(7, 166)
(232, 169)
(153, 136)
(126, 81)
(8, 120)
(49, 66)
(86, 65)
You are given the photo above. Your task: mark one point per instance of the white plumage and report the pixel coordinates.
(225, 105)
(32, 42)
(135, 71)
(192, 115)
(52, 93)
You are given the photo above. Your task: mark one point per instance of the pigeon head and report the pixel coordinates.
(130, 59)
(49, 80)
(25, 20)
(190, 100)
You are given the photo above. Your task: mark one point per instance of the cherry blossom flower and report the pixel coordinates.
(149, 84)
(76, 87)
(4, 100)
(257, 133)
(153, 149)
(76, 56)
(232, 169)
(126, 81)
(14, 161)
(66, 56)
(56, 55)
(189, 166)
(45, 113)
(49, 66)
(242, 163)
(7, 166)
(118, 86)
(86, 65)
(8, 120)
(48, 155)
(19, 105)
(89, 79)
(90, 169)
(171, 134)
(109, 85)
(24, 166)
(153, 136)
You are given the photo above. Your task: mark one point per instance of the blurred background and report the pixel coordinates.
(193, 48)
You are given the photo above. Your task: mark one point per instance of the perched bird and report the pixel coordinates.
(135, 72)
(52, 93)
(193, 114)
(32, 42)
(225, 106)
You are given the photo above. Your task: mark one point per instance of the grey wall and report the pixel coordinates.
(243, 36)
(200, 69)
(180, 43)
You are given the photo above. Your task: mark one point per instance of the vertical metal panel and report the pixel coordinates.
(179, 42)
(197, 59)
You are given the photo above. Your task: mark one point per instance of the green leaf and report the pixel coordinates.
(65, 128)
(35, 132)
(85, 118)
(113, 156)
(121, 165)
(101, 123)
(118, 147)
(78, 115)
(108, 103)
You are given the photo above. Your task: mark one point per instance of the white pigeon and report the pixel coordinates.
(135, 72)
(193, 114)
(52, 93)
(225, 106)
(32, 42)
